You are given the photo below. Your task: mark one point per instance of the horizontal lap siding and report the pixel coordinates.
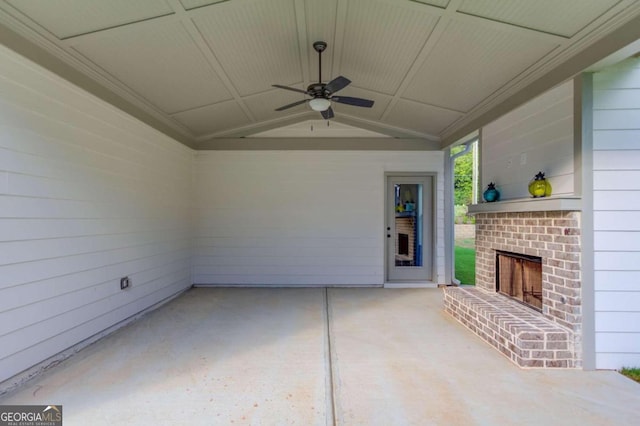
(87, 195)
(539, 132)
(298, 217)
(616, 158)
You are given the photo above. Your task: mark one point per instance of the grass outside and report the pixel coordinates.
(465, 266)
(632, 373)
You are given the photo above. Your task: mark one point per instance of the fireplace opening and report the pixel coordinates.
(520, 277)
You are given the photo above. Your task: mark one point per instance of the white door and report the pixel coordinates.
(409, 229)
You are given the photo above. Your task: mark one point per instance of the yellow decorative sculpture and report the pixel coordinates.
(539, 186)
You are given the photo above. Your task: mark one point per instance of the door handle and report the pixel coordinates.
(388, 228)
(388, 235)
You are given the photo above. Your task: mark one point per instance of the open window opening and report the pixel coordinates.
(465, 192)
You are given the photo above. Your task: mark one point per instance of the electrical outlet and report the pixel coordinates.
(523, 158)
(509, 162)
(125, 282)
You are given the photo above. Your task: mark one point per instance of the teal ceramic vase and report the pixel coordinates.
(491, 194)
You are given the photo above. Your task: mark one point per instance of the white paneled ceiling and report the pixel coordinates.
(205, 68)
(158, 61)
(476, 59)
(73, 17)
(262, 31)
(421, 118)
(381, 43)
(564, 18)
(263, 105)
(212, 117)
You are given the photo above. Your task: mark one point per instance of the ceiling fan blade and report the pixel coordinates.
(327, 114)
(337, 83)
(291, 105)
(293, 89)
(353, 101)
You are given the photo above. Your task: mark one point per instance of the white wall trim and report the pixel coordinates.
(584, 91)
(315, 144)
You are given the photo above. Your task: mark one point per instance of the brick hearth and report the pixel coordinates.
(553, 236)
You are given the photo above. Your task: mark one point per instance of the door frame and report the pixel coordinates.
(429, 282)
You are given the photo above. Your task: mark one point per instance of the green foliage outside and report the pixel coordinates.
(632, 373)
(463, 177)
(463, 185)
(465, 253)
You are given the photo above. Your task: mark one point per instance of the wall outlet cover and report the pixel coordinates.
(125, 282)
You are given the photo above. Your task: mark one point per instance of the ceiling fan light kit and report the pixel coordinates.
(322, 93)
(320, 104)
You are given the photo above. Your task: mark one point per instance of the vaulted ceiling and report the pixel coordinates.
(204, 69)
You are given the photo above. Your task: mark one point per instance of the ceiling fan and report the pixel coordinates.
(323, 93)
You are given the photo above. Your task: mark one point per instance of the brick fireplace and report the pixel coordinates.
(545, 337)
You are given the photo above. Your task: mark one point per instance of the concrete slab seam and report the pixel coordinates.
(331, 397)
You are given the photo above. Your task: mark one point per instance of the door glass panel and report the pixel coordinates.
(408, 225)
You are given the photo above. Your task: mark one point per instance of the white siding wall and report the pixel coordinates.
(299, 217)
(616, 183)
(538, 136)
(87, 195)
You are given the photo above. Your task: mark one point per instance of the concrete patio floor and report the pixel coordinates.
(316, 357)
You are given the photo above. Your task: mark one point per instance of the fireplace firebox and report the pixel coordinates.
(519, 276)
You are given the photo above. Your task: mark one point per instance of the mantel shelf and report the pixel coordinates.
(529, 205)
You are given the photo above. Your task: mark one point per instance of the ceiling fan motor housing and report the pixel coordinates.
(322, 93)
(317, 90)
(319, 46)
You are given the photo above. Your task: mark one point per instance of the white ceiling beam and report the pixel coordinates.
(318, 144)
(614, 58)
(375, 126)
